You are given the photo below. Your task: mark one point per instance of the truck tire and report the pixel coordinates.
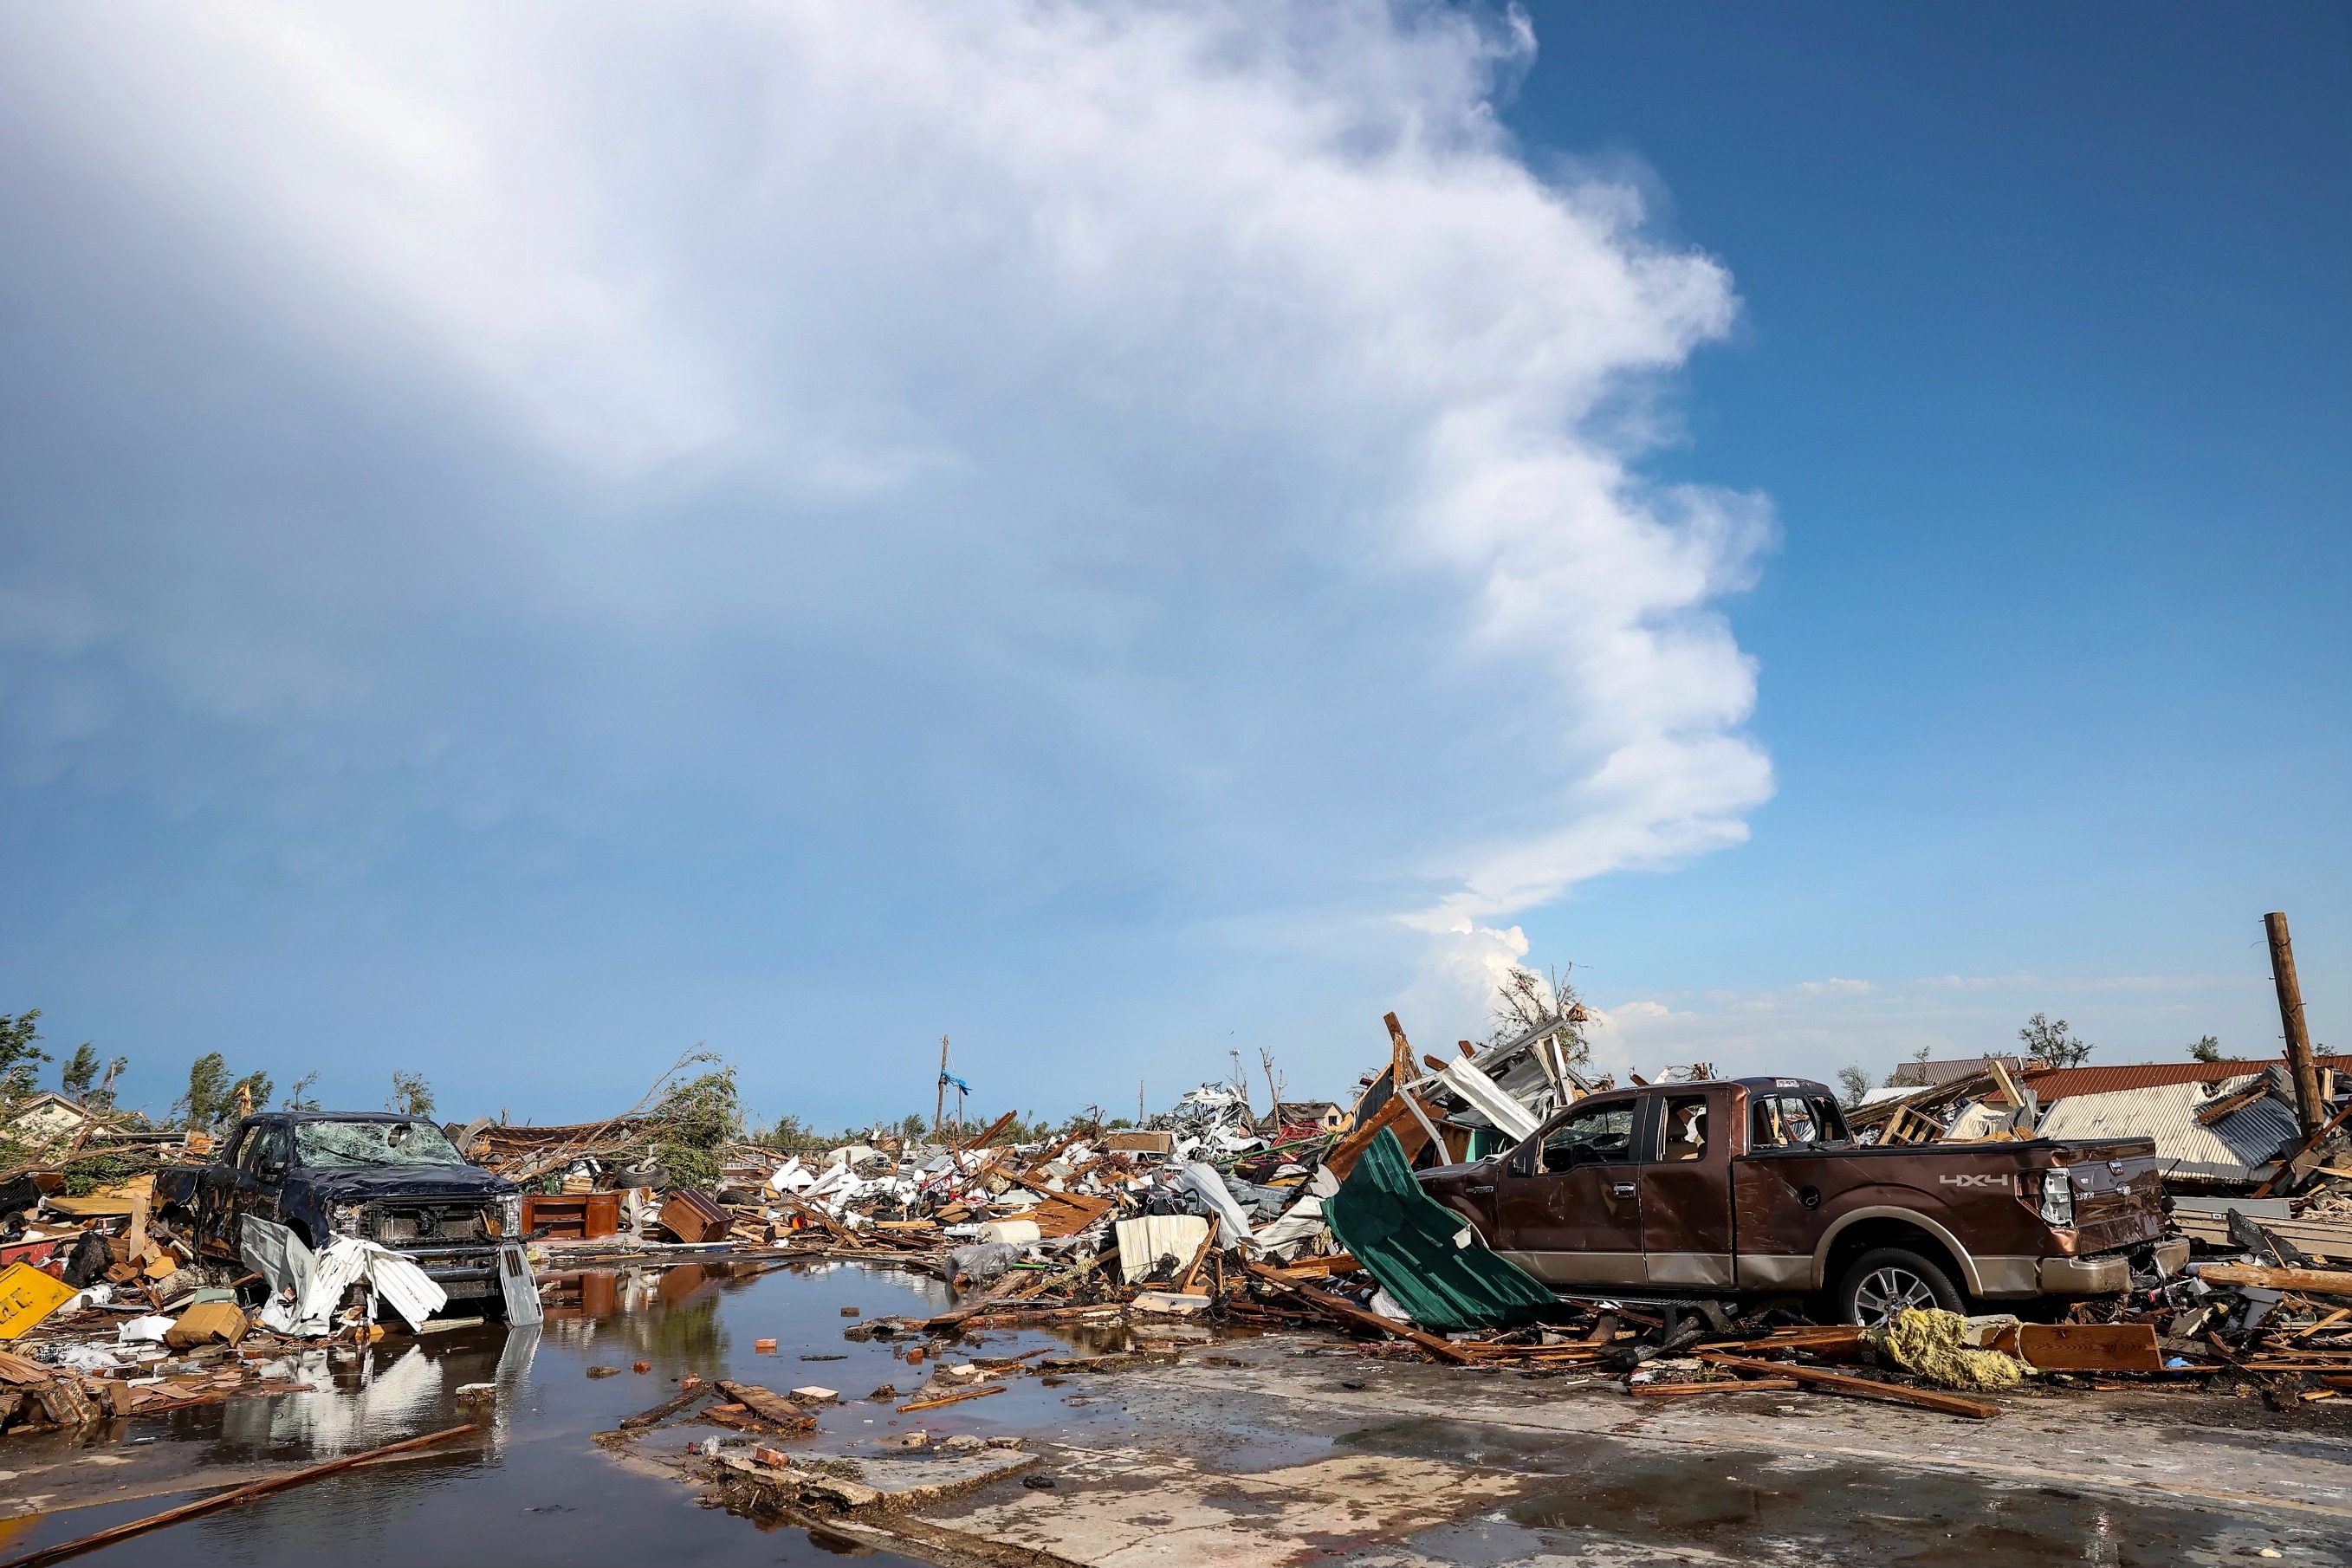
(1887, 1279)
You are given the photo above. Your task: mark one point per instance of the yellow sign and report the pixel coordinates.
(27, 1296)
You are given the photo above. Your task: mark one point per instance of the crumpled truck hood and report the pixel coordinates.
(360, 1186)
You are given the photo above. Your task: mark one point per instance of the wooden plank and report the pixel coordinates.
(1347, 1311)
(2090, 1347)
(2324, 1281)
(951, 1398)
(64, 1549)
(1319, 1267)
(1861, 1387)
(764, 1402)
(1679, 1390)
(1394, 1113)
(666, 1408)
(2230, 1104)
(1830, 1341)
(989, 1132)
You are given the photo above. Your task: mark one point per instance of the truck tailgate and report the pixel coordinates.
(2119, 1201)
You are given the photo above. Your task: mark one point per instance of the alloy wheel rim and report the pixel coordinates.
(1887, 1291)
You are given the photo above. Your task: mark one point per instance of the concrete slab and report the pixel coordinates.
(892, 1484)
(1175, 1514)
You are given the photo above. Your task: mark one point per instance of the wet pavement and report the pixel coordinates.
(1254, 1449)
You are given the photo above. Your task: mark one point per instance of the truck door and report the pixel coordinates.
(216, 1189)
(249, 1185)
(1686, 1197)
(1568, 1205)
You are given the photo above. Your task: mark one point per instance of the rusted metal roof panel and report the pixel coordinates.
(2062, 1083)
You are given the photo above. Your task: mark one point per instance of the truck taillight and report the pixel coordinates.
(2057, 1199)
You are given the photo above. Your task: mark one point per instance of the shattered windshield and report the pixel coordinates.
(332, 1144)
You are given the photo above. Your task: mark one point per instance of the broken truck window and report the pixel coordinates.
(329, 1144)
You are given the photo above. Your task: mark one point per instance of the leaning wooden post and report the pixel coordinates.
(2309, 1109)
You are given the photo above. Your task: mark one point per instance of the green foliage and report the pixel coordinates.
(80, 1071)
(411, 1095)
(88, 1173)
(1853, 1085)
(696, 1117)
(20, 1055)
(208, 1100)
(2207, 1049)
(790, 1135)
(2050, 1043)
(299, 1096)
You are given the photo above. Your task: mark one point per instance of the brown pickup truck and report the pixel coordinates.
(1751, 1186)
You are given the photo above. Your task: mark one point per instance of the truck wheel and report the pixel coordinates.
(1886, 1280)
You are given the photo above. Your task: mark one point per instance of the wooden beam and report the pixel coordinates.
(2309, 1109)
(993, 1128)
(1680, 1390)
(1347, 1311)
(64, 1549)
(2320, 1281)
(2090, 1347)
(1860, 1387)
(1348, 1149)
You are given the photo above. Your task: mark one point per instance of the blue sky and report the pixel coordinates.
(1124, 538)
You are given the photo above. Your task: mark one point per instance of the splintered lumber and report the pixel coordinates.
(1057, 1215)
(1045, 1282)
(2320, 1281)
(1398, 1112)
(64, 1549)
(666, 1408)
(1748, 1385)
(1861, 1387)
(956, 1398)
(2090, 1347)
(988, 1135)
(1318, 1267)
(764, 1402)
(1016, 1317)
(1831, 1342)
(1347, 1311)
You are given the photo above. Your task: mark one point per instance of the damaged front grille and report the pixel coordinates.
(413, 1224)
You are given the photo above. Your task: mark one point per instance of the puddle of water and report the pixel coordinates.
(535, 1489)
(1736, 1501)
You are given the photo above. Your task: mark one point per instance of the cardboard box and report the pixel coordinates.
(206, 1323)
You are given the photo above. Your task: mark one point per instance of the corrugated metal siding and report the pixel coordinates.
(2062, 1083)
(2231, 1151)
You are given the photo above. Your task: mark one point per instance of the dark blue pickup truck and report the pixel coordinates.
(394, 1180)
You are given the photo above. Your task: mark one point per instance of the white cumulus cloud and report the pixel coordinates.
(1181, 456)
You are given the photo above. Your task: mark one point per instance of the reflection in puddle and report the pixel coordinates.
(534, 1488)
(1737, 1501)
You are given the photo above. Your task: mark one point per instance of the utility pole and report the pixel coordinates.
(2309, 1109)
(939, 1108)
